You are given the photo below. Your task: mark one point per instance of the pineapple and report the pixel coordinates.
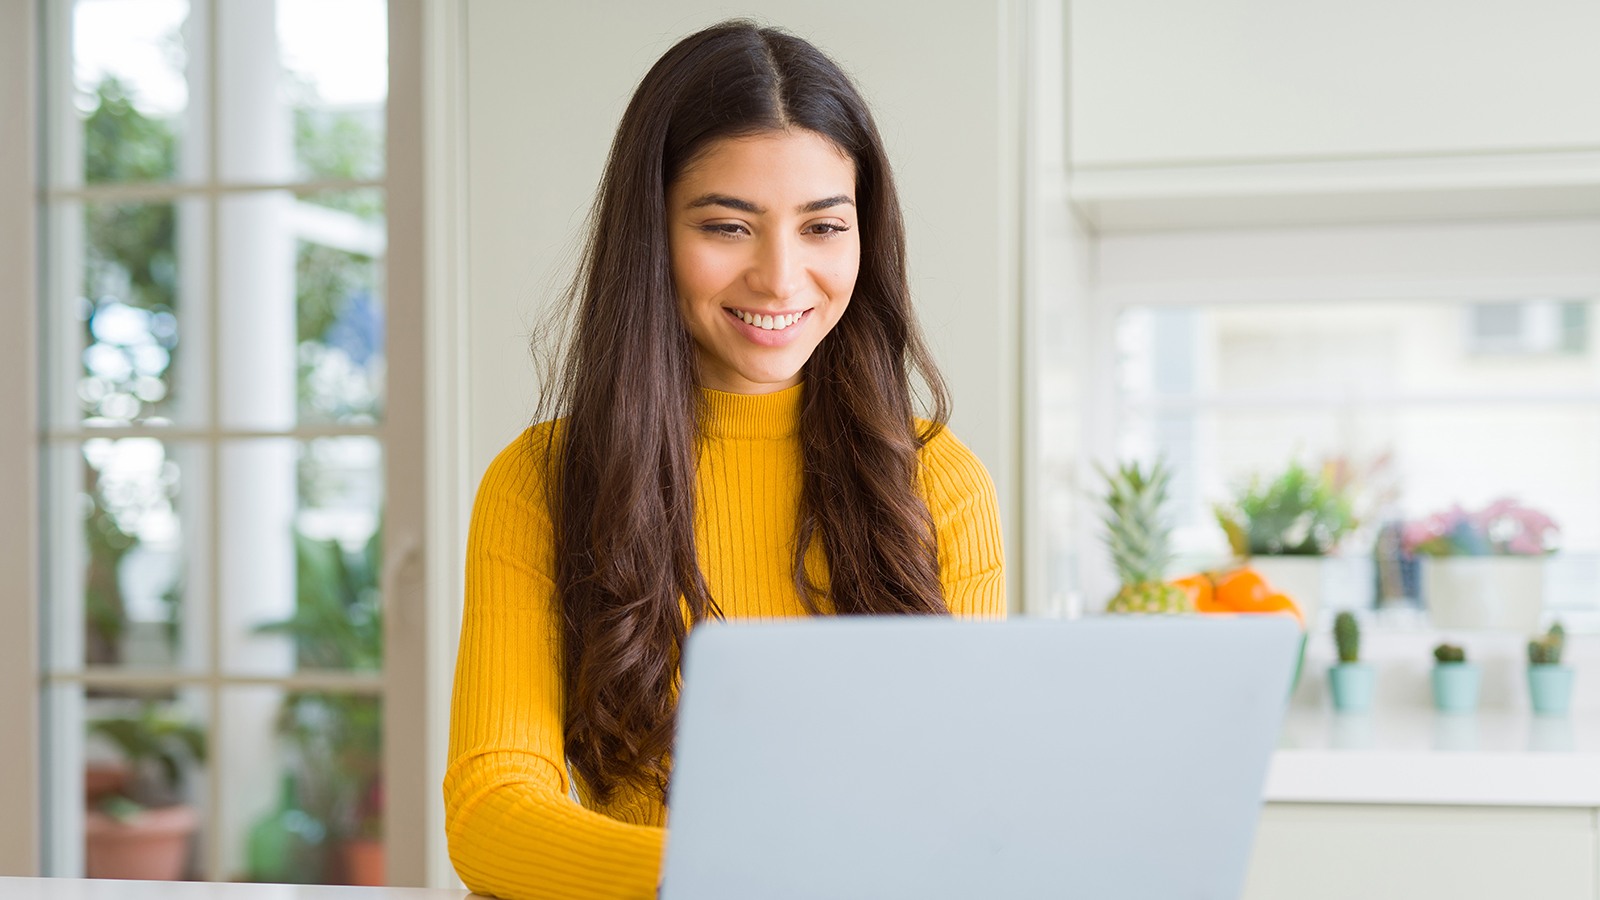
(1138, 538)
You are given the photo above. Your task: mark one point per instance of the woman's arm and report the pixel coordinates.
(513, 830)
(966, 516)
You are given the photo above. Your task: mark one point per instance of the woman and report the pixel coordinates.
(731, 434)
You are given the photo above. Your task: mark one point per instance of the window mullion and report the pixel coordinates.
(63, 820)
(204, 117)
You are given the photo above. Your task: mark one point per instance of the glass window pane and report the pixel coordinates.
(302, 786)
(126, 556)
(340, 308)
(302, 333)
(145, 758)
(305, 91)
(1461, 403)
(134, 340)
(336, 59)
(301, 558)
(129, 74)
(1360, 351)
(125, 320)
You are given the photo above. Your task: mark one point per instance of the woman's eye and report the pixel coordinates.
(725, 229)
(827, 229)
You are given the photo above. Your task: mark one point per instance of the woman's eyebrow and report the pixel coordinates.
(725, 200)
(826, 202)
(747, 206)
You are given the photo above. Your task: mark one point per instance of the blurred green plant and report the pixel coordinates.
(158, 746)
(103, 605)
(335, 740)
(338, 619)
(1297, 513)
(1347, 637)
(1546, 649)
(139, 240)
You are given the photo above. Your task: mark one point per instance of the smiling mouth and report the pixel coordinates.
(768, 322)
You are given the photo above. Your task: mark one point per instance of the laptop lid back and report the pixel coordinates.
(935, 758)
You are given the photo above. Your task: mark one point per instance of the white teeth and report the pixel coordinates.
(768, 323)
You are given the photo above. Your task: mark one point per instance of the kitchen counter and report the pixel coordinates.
(1427, 758)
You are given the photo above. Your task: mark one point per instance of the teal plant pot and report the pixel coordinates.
(1455, 687)
(1352, 685)
(1550, 689)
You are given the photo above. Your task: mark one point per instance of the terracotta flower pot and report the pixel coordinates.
(152, 846)
(363, 861)
(101, 779)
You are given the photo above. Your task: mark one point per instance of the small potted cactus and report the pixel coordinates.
(1549, 682)
(1351, 681)
(1455, 681)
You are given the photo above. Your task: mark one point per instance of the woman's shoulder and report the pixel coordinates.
(947, 465)
(521, 466)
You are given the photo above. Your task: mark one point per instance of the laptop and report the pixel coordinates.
(1109, 758)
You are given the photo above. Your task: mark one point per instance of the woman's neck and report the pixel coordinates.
(771, 416)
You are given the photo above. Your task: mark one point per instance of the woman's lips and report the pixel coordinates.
(773, 337)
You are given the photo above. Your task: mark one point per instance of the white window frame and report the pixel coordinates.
(416, 648)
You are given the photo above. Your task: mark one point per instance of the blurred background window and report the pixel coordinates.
(1415, 407)
(214, 396)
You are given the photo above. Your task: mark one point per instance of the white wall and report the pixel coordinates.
(547, 83)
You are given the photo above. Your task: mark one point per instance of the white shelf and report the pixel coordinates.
(1357, 191)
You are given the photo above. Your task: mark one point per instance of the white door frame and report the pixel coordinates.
(19, 440)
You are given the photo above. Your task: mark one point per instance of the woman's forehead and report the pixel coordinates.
(770, 169)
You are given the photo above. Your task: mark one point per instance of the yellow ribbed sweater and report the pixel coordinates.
(513, 830)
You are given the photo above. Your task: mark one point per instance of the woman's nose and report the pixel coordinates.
(776, 271)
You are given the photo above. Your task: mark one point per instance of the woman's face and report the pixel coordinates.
(765, 252)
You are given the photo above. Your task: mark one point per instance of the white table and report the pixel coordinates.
(104, 889)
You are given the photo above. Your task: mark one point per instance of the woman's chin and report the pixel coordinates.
(751, 380)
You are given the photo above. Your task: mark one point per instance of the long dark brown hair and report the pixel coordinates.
(622, 463)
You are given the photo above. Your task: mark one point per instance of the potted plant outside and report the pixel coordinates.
(1351, 681)
(139, 827)
(334, 740)
(1483, 569)
(1287, 526)
(1549, 682)
(1455, 681)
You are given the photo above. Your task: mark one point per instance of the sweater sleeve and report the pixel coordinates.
(512, 828)
(966, 516)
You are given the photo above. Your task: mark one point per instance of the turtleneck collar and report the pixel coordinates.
(752, 416)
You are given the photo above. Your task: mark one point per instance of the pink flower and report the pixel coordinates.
(1504, 527)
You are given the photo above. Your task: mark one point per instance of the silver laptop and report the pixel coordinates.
(1107, 758)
